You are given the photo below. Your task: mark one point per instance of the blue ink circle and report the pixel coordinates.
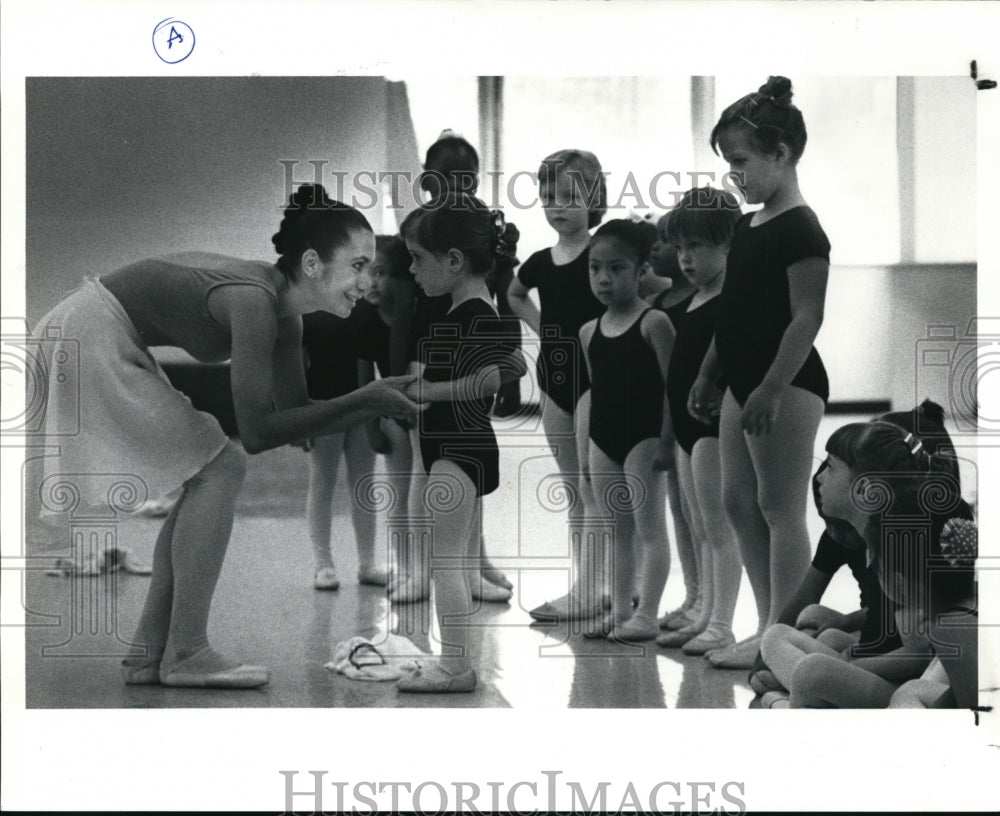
(173, 40)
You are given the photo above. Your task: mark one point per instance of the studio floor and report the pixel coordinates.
(267, 612)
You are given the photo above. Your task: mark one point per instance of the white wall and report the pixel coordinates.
(123, 168)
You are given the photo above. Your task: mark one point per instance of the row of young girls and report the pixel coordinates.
(624, 397)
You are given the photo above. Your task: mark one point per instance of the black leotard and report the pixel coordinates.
(332, 346)
(626, 394)
(694, 335)
(372, 336)
(754, 307)
(566, 303)
(469, 338)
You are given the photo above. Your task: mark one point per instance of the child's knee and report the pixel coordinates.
(811, 672)
(741, 508)
(774, 636)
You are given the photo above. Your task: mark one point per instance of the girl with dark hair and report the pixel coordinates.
(469, 352)
(770, 310)
(215, 308)
(905, 503)
(631, 438)
(451, 165)
(699, 230)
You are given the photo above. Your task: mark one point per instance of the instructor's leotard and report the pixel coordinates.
(754, 307)
(626, 403)
(566, 303)
(469, 338)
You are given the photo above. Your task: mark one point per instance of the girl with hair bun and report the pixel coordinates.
(468, 354)
(770, 311)
(215, 308)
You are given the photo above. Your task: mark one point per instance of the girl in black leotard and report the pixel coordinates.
(770, 310)
(907, 506)
(469, 353)
(700, 228)
(573, 194)
(631, 443)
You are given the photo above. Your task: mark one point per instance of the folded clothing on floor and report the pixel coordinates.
(98, 561)
(384, 657)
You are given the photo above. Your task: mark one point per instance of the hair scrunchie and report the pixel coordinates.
(507, 235)
(960, 542)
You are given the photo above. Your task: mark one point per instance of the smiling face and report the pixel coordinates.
(614, 274)
(342, 281)
(700, 261)
(564, 205)
(758, 175)
(431, 272)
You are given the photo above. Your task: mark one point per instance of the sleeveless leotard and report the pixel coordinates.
(626, 390)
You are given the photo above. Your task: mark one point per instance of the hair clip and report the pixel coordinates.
(960, 542)
(913, 443)
(749, 122)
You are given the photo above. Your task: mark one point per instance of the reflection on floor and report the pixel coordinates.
(267, 612)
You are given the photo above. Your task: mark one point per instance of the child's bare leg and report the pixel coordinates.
(725, 560)
(399, 467)
(783, 462)
(695, 621)
(687, 551)
(360, 460)
(454, 528)
(651, 546)
(783, 648)
(739, 497)
(561, 433)
(414, 584)
(324, 460)
(825, 681)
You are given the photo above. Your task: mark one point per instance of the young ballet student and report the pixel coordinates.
(770, 310)
(573, 194)
(700, 228)
(470, 352)
(451, 165)
(341, 355)
(628, 353)
(868, 630)
(907, 505)
(215, 308)
(674, 300)
(332, 350)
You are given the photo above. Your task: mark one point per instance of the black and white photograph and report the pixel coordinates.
(400, 420)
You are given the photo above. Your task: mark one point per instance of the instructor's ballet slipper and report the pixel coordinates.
(196, 672)
(141, 671)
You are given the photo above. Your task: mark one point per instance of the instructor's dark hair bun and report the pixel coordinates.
(313, 220)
